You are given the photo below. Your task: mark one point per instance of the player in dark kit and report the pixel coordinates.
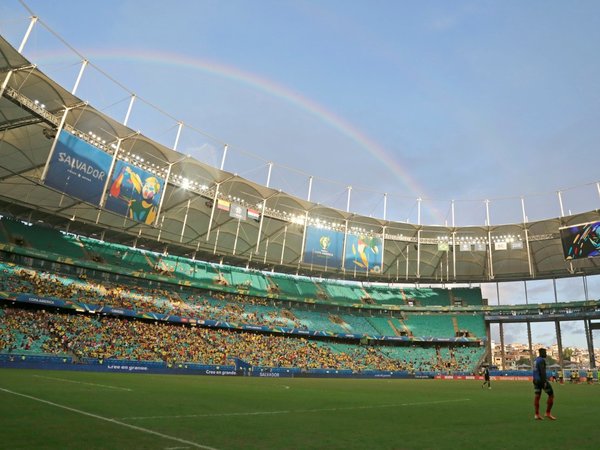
(486, 377)
(540, 382)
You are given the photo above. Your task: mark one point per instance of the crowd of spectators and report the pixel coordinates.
(196, 304)
(103, 337)
(100, 336)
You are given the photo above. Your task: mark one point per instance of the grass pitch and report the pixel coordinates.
(84, 410)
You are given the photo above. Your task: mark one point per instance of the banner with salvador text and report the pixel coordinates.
(77, 168)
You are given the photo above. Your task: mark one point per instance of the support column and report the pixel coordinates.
(559, 342)
(590, 342)
(488, 344)
(212, 211)
(418, 254)
(32, 22)
(348, 201)
(84, 64)
(407, 253)
(61, 125)
(260, 226)
(526, 232)
(382, 249)
(489, 246)
(216, 241)
(454, 255)
(530, 344)
(562, 211)
(225, 147)
(385, 206)
(187, 210)
(310, 182)
(502, 352)
(108, 175)
(283, 246)
(304, 236)
(237, 233)
(269, 174)
(129, 108)
(162, 197)
(530, 347)
(344, 246)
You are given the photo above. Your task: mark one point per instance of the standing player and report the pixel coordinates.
(540, 382)
(486, 377)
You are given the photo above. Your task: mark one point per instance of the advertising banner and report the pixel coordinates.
(77, 168)
(581, 241)
(323, 247)
(238, 211)
(363, 253)
(134, 192)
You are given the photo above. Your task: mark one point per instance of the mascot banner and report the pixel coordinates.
(134, 192)
(77, 168)
(363, 253)
(323, 247)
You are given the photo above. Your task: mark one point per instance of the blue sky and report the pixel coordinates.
(465, 100)
(462, 100)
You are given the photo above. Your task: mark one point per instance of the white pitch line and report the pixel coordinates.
(107, 419)
(83, 382)
(260, 413)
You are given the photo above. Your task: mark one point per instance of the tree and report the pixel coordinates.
(568, 353)
(523, 360)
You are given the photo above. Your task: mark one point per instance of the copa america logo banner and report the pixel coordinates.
(363, 253)
(77, 168)
(323, 247)
(134, 192)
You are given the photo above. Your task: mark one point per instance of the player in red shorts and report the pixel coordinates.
(540, 382)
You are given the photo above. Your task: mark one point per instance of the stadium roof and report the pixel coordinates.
(33, 107)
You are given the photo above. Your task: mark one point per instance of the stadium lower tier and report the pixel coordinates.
(35, 330)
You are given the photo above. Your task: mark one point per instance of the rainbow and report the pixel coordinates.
(271, 88)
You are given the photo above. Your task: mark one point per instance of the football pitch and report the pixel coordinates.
(85, 410)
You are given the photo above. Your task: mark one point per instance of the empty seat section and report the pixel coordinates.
(285, 286)
(475, 324)
(382, 325)
(430, 325)
(467, 296)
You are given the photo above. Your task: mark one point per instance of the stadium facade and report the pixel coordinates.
(68, 166)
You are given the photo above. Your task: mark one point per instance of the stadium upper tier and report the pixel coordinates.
(82, 252)
(70, 166)
(137, 296)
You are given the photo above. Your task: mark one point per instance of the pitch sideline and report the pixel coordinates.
(107, 419)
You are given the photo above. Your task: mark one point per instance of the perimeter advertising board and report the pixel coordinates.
(78, 169)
